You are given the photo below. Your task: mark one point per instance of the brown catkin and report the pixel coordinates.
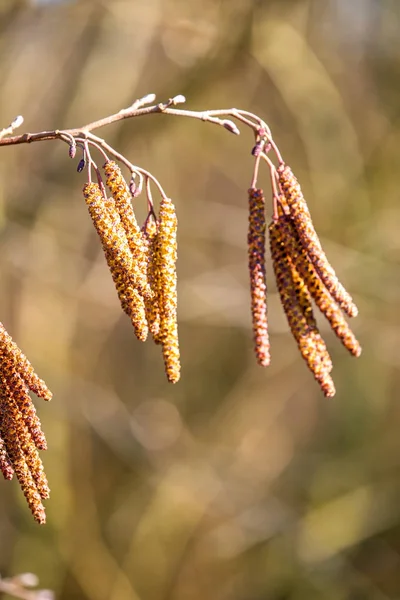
(305, 302)
(317, 289)
(26, 443)
(12, 355)
(304, 334)
(131, 301)
(5, 464)
(17, 459)
(15, 386)
(123, 202)
(150, 235)
(301, 218)
(258, 283)
(167, 292)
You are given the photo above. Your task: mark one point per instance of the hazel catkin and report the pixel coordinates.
(258, 283)
(301, 218)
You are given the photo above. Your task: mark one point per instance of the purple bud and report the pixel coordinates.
(81, 165)
(132, 187)
(72, 151)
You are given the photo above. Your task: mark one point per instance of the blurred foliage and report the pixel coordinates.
(238, 482)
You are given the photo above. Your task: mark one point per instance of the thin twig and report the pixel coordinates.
(136, 110)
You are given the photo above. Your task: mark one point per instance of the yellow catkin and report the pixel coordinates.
(150, 235)
(5, 463)
(131, 301)
(258, 283)
(304, 334)
(305, 302)
(167, 292)
(301, 218)
(13, 383)
(12, 355)
(317, 289)
(109, 235)
(122, 198)
(16, 456)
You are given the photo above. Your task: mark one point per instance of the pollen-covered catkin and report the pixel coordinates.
(167, 292)
(150, 235)
(123, 202)
(301, 218)
(131, 301)
(12, 355)
(258, 283)
(26, 443)
(15, 386)
(5, 463)
(117, 253)
(109, 236)
(16, 456)
(304, 299)
(321, 297)
(304, 335)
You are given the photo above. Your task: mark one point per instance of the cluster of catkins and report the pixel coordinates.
(303, 276)
(21, 436)
(142, 261)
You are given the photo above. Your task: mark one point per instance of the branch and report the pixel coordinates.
(137, 109)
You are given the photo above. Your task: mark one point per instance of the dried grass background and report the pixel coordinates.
(238, 482)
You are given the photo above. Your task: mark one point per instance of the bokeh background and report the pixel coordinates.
(238, 482)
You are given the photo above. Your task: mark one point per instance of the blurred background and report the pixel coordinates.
(238, 482)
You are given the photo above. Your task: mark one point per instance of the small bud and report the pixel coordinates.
(17, 122)
(258, 148)
(133, 186)
(72, 150)
(230, 126)
(178, 99)
(81, 165)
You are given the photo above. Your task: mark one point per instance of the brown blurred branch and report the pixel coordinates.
(18, 587)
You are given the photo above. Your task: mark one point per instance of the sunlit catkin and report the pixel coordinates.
(301, 217)
(10, 353)
(258, 284)
(123, 202)
(304, 334)
(150, 235)
(321, 297)
(15, 386)
(167, 292)
(305, 302)
(5, 463)
(131, 301)
(9, 434)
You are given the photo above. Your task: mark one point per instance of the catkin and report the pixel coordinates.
(304, 334)
(167, 292)
(301, 218)
(9, 434)
(122, 198)
(321, 297)
(305, 302)
(21, 435)
(15, 386)
(13, 356)
(150, 235)
(131, 301)
(5, 464)
(258, 283)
